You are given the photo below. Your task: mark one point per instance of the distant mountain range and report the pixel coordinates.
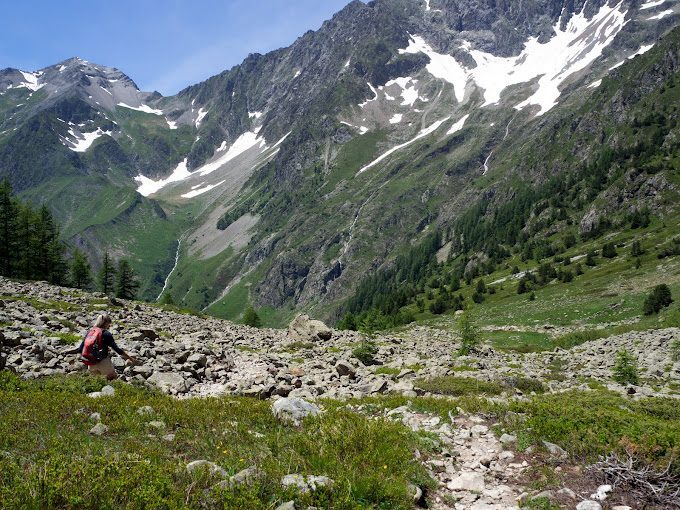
(284, 181)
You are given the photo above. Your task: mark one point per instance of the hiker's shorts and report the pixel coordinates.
(104, 367)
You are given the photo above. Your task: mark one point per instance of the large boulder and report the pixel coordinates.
(294, 409)
(170, 382)
(302, 328)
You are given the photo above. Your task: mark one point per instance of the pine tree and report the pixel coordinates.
(81, 271)
(126, 281)
(250, 318)
(626, 368)
(469, 334)
(609, 250)
(106, 276)
(49, 261)
(9, 212)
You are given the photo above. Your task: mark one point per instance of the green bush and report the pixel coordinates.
(625, 369)
(675, 350)
(524, 384)
(365, 352)
(251, 318)
(469, 334)
(459, 386)
(595, 423)
(658, 299)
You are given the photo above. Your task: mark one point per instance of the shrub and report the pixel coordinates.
(609, 250)
(532, 296)
(659, 298)
(365, 352)
(469, 334)
(590, 258)
(459, 386)
(524, 384)
(250, 318)
(478, 298)
(675, 350)
(626, 368)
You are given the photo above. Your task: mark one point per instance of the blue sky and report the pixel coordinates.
(162, 45)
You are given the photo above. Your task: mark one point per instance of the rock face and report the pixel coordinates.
(303, 328)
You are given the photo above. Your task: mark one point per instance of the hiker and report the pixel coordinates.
(94, 349)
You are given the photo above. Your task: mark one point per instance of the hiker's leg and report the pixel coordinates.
(106, 368)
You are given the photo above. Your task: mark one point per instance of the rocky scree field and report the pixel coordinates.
(223, 415)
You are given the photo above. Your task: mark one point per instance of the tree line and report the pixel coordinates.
(31, 248)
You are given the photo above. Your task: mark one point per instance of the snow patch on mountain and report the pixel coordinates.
(652, 4)
(661, 15)
(457, 126)
(246, 141)
(254, 115)
(141, 108)
(569, 51)
(171, 124)
(200, 191)
(423, 133)
(30, 81)
(83, 141)
(396, 118)
(199, 117)
(375, 94)
(149, 186)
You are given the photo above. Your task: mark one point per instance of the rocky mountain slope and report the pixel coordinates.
(283, 180)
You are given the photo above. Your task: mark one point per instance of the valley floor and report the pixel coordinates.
(419, 425)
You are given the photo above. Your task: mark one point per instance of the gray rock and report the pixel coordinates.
(294, 409)
(213, 468)
(145, 411)
(96, 417)
(468, 481)
(288, 505)
(107, 391)
(168, 381)
(303, 328)
(555, 450)
(99, 429)
(588, 505)
(507, 439)
(143, 370)
(197, 359)
(158, 425)
(306, 484)
(343, 367)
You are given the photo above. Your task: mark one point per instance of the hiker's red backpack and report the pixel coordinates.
(93, 348)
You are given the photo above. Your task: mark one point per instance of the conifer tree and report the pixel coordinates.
(250, 318)
(8, 225)
(126, 281)
(81, 271)
(106, 276)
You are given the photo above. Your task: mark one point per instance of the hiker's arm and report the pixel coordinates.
(112, 343)
(77, 350)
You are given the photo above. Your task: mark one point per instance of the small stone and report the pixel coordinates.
(507, 439)
(96, 417)
(479, 430)
(288, 505)
(158, 425)
(467, 482)
(205, 464)
(169, 438)
(602, 492)
(99, 429)
(345, 368)
(555, 450)
(107, 391)
(145, 411)
(621, 507)
(566, 491)
(588, 505)
(245, 476)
